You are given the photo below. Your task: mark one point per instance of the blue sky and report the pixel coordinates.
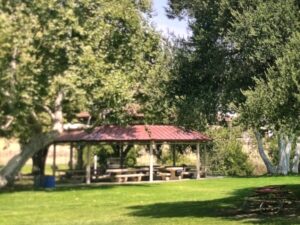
(165, 25)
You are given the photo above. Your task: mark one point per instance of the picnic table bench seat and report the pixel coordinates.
(124, 177)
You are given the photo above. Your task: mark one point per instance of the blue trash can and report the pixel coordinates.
(49, 182)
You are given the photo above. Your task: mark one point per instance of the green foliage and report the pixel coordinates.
(260, 32)
(165, 156)
(225, 153)
(130, 159)
(202, 81)
(103, 152)
(274, 102)
(232, 42)
(102, 55)
(273, 149)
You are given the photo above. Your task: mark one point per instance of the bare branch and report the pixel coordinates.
(34, 116)
(9, 121)
(58, 113)
(6, 93)
(48, 110)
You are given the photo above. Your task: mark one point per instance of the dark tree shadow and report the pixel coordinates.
(225, 208)
(30, 188)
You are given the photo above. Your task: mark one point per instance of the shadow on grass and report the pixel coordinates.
(30, 188)
(225, 208)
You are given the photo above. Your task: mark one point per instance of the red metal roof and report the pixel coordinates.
(134, 133)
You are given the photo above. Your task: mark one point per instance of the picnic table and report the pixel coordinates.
(175, 172)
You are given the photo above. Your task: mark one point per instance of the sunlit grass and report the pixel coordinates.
(187, 202)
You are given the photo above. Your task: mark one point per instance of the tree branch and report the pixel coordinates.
(48, 110)
(9, 121)
(34, 116)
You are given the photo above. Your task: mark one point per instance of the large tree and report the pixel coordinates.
(233, 47)
(274, 104)
(232, 41)
(61, 57)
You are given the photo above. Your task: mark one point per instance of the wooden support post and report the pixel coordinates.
(198, 161)
(71, 156)
(54, 160)
(151, 162)
(88, 166)
(173, 155)
(95, 164)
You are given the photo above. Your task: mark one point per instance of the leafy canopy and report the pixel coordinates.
(275, 102)
(232, 42)
(101, 54)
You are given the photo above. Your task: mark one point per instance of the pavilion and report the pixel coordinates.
(138, 134)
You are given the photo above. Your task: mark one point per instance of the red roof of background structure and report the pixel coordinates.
(134, 133)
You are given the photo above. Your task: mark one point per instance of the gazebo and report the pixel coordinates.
(137, 134)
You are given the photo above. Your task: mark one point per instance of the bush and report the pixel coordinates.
(226, 155)
(130, 159)
(165, 155)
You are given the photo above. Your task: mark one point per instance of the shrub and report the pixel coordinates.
(226, 156)
(130, 159)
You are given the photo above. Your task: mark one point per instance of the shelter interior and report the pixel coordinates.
(90, 163)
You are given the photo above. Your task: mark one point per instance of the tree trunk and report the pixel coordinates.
(295, 167)
(270, 168)
(58, 118)
(288, 149)
(79, 163)
(282, 154)
(285, 154)
(39, 162)
(36, 143)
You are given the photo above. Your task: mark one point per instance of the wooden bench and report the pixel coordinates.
(164, 176)
(101, 177)
(124, 177)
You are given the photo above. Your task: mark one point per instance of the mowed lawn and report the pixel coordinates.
(211, 201)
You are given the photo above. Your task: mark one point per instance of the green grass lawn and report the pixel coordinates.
(186, 202)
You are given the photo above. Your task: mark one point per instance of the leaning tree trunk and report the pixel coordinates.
(270, 168)
(36, 143)
(39, 162)
(295, 167)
